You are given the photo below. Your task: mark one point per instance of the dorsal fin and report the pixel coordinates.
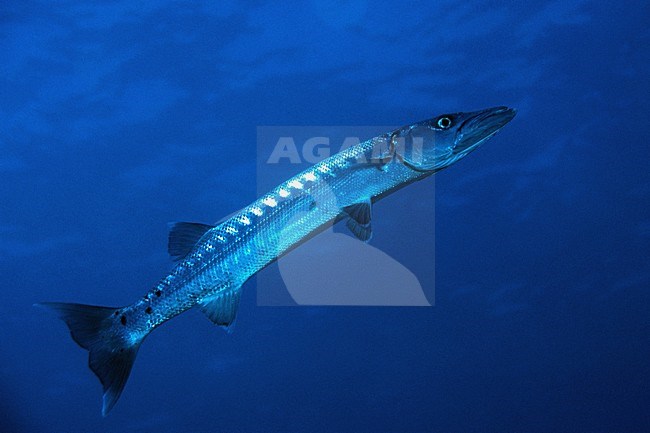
(183, 236)
(359, 222)
(222, 308)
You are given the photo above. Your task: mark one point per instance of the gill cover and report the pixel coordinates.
(423, 145)
(436, 143)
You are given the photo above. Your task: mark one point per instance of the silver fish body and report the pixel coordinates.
(230, 253)
(215, 261)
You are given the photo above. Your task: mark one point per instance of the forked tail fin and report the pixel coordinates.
(110, 356)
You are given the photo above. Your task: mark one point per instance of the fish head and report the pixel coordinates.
(436, 143)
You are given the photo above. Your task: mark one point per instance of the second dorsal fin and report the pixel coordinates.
(183, 236)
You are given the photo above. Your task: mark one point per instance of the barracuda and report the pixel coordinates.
(214, 261)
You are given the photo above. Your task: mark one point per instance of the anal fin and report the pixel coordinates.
(222, 308)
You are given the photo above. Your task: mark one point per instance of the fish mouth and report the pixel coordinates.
(480, 126)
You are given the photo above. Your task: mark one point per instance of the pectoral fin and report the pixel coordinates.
(359, 222)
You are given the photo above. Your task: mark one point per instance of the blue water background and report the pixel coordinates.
(118, 117)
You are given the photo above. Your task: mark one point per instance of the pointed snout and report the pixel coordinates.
(496, 117)
(481, 125)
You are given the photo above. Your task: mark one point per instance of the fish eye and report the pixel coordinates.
(444, 122)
